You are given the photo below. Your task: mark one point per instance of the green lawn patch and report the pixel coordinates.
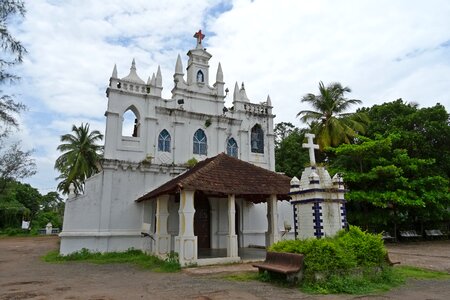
(368, 282)
(131, 256)
(418, 273)
(245, 276)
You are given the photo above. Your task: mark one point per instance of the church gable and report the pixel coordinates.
(194, 123)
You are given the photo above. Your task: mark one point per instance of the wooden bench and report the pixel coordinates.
(410, 234)
(289, 264)
(389, 261)
(434, 233)
(386, 236)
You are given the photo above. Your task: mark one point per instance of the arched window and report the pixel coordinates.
(200, 142)
(164, 141)
(200, 76)
(257, 139)
(232, 147)
(130, 123)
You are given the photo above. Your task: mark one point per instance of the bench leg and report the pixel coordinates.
(294, 277)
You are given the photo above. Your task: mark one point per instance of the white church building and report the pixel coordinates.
(167, 134)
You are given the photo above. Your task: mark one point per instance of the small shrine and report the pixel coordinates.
(317, 199)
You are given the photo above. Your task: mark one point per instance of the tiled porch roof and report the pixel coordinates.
(222, 175)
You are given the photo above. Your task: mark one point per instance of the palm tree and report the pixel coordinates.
(80, 158)
(329, 122)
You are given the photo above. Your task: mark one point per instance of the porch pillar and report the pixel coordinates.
(232, 245)
(273, 234)
(186, 242)
(162, 237)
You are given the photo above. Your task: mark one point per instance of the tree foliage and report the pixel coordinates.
(329, 120)
(80, 158)
(15, 163)
(380, 176)
(21, 201)
(423, 132)
(13, 52)
(9, 44)
(290, 157)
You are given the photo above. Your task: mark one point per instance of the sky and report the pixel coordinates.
(382, 50)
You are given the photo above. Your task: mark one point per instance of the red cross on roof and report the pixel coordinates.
(199, 36)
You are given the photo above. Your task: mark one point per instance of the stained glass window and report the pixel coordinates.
(200, 142)
(257, 139)
(164, 141)
(232, 147)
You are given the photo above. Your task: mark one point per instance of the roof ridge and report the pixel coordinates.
(207, 165)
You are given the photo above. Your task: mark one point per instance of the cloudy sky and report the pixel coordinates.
(382, 50)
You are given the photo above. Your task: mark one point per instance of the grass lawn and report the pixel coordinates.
(135, 257)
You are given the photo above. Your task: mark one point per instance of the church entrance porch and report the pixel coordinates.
(206, 211)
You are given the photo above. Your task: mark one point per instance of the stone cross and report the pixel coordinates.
(199, 36)
(311, 146)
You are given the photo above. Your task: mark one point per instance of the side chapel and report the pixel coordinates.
(229, 200)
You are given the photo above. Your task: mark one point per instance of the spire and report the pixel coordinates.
(158, 78)
(219, 75)
(242, 93)
(236, 92)
(114, 72)
(133, 76)
(179, 66)
(153, 82)
(269, 102)
(149, 81)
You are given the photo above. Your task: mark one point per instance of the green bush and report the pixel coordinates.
(14, 232)
(368, 248)
(349, 252)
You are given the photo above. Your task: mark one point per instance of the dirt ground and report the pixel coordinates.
(23, 275)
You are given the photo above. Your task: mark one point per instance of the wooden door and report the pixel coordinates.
(202, 220)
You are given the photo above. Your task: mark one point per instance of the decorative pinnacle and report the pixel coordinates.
(114, 72)
(179, 66)
(219, 75)
(236, 92)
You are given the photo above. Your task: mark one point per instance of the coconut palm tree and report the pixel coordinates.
(329, 121)
(80, 158)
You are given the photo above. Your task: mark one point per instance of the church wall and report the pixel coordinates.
(106, 217)
(125, 213)
(86, 205)
(255, 224)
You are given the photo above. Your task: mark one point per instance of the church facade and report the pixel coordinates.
(166, 137)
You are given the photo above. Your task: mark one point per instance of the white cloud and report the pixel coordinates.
(383, 50)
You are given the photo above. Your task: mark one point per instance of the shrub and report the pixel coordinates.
(349, 252)
(368, 248)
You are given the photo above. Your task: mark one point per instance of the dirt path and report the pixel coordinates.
(23, 275)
